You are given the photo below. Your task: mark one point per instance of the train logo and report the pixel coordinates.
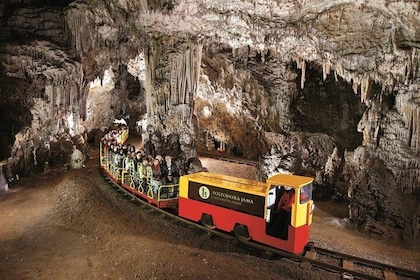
(204, 192)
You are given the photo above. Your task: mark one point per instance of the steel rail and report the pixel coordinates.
(371, 263)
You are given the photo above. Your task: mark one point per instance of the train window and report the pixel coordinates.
(306, 193)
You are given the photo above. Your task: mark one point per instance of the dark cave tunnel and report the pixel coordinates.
(328, 106)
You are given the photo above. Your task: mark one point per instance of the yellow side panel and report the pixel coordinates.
(183, 187)
(309, 212)
(299, 214)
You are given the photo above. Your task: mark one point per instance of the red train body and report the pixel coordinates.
(247, 207)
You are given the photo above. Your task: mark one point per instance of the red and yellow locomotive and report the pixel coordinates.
(249, 208)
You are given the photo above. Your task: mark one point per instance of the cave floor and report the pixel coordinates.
(72, 225)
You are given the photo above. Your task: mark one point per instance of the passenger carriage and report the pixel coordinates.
(246, 207)
(166, 196)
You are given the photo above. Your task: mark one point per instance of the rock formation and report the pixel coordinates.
(322, 88)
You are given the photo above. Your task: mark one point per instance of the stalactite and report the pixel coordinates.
(53, 99)
(365, 88)
(189, 74)
(415, 64)
(355, 87)
(301, 64)
(326, 69)
(412, 114)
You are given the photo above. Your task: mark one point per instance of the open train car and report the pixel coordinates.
(166, 196)
(128, 178)
(248, 208)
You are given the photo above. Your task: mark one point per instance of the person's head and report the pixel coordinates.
(156, 162)
(168, 159)
(145, 162)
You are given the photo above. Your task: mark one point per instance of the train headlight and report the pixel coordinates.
(312, 208)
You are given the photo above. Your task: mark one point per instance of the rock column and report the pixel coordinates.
(3, 182)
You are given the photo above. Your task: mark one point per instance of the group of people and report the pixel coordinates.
(147, 172)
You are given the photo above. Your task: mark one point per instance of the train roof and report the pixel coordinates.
(289, 180)
(229, 182)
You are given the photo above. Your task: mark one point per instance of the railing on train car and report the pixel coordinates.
(170, 191)
(114, 169)
(103, 156)
(126, 178)
(164, 192)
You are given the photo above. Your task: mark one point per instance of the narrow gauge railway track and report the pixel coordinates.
(351, 267)
(354, 265)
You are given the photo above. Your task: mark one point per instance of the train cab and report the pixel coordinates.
(251, 209)
(289, 208)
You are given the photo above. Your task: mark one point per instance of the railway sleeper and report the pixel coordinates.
(389, 275)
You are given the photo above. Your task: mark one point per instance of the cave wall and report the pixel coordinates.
(251, 65)
(172, 72)
(50, 55)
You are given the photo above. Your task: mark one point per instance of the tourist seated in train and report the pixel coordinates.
(283, 211)
(145, 174)
(135, 162)
(138, 159)
(110, 150)
(142, 152)
(157, 176)
(132, 149)
(170, 171)
(160, 158)
(117, 156)
(123, 156)
(162, 163)
(128, 162)
(125, 148)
